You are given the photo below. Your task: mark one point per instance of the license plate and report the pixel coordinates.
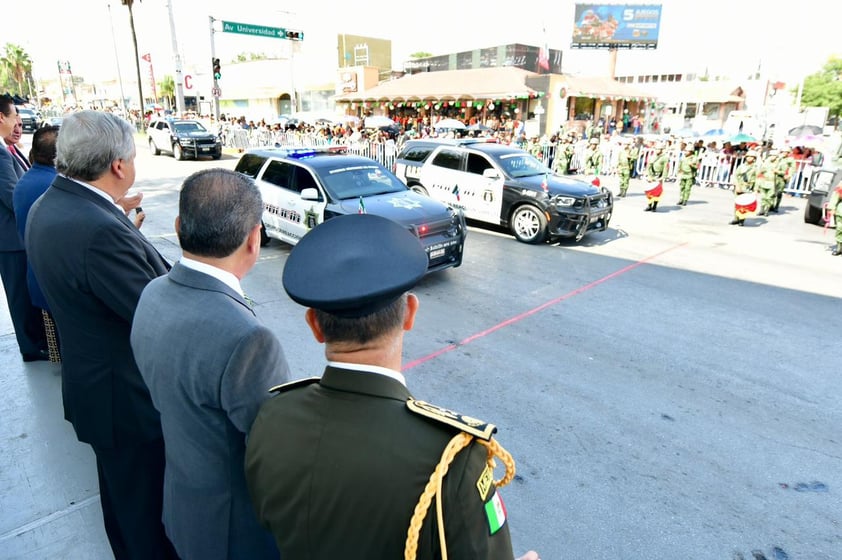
(436, 254)
(206, 149)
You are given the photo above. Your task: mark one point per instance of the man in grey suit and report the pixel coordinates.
(209, 364)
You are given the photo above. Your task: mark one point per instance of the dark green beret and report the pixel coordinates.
(354, 265)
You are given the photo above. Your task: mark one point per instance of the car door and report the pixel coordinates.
(441, 175)
(482, 195)
(280, 216)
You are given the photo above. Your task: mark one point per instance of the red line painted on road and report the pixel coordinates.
(535, 310)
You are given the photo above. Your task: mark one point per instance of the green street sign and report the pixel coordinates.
(249, 29)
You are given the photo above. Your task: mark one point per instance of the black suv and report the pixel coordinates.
(302, 187)
(183, 138)
(29, 119)
(505, 186)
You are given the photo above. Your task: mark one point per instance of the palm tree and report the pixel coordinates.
(17, 68)
(129, 4)
(167, 89)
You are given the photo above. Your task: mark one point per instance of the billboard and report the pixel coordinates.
(618, 26)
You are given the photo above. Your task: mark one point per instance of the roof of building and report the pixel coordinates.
(481, 83)
(693, 91)
(602, 86)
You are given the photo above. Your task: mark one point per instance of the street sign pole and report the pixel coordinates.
(215, 90)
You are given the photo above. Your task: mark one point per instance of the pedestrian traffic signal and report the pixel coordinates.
(216, 69)
(294, 35)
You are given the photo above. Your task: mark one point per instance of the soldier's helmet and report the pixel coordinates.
(593, 141)
(751, 154)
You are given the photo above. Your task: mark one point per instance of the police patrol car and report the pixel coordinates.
(302, 187)
(504, 185)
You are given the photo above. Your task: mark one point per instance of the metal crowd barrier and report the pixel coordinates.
(715, 169)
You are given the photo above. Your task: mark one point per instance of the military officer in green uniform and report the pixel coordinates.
(593, 157)
(687, 169)
(336, 465)
(563, 156)
(764, 181)
(744, 178)
(624, 167)
(783, 172)
(656, 172)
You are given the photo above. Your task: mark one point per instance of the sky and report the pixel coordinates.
(723, 37)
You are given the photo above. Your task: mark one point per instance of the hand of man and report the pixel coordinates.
(129, 203)
(531, 555)
(139, 216)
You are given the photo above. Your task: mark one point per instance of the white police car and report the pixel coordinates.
(302, 187)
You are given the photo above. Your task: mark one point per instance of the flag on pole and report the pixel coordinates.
(361, 207)
(455, 191)
(544, 53)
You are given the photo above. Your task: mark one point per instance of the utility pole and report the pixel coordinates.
(215, 89)
(179, 79)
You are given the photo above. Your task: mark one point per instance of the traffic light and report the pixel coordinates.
(294, 35)
(216, 69)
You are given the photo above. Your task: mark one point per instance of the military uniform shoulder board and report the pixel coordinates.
(476, 428)
(284, 387)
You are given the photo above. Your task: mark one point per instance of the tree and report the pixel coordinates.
(824, 88)
(16, 70)
(141, 102)
(167, 88)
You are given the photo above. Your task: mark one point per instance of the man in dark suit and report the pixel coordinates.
(92, 264)
(336, 465)
(26, 318)
(22, 163)
(209, 364)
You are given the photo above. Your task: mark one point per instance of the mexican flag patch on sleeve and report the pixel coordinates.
(495, 511)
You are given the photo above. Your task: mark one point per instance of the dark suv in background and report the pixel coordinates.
(183, 138)
(29, 119)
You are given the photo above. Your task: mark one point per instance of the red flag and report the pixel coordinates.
(655, 192)
(544, 53)
(595, 181)
(147, 57)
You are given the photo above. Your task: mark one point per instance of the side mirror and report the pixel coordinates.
(490, 173)
(310, 194)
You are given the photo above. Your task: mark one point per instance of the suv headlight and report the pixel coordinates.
(564, 201)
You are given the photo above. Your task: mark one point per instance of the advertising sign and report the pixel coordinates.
(623, 26)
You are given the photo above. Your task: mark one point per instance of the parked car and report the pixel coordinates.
(303, 187)
(505, 186)
(822, 183)
(29, 118)
(183, 138)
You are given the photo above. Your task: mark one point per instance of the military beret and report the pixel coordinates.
(354, 265)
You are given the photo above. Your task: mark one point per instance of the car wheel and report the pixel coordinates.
(217, 155)
(153, 148)
(177, 152)
(264, 237)
(812, 215)
(529, 224)
(419, 189)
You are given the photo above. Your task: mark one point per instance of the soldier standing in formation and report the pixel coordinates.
(563, 156)
(687, 169)
(783, 173)
(656, 172)
(764, 181)
(593, 158)
(744, 178)
(624, 167)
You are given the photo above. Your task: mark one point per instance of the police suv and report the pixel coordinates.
(506, 186)
(302, 187)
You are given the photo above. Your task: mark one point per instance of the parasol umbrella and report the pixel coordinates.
(740, 138)
(450, 124)
(379, 121)
(715, 134)
(479, 127)
(805, 130)
(685, 133)
(806, 141)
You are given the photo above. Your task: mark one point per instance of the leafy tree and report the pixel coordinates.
(15, 70)
(167, 88)
(824, 88)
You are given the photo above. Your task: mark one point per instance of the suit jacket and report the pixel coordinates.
(335, 469)
(21, 162)
(92, 265)
(9, 238)
(30, 186)
(209, 364)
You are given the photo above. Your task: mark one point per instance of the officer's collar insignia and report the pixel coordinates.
(476, 428)
(486, 479)
(284, 387)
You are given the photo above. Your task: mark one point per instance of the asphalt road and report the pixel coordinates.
(667, 387)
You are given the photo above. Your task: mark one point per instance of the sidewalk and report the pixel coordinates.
(49, 500)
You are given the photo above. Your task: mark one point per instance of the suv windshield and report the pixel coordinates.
(360, 180)
(522, 165)
(189, 127)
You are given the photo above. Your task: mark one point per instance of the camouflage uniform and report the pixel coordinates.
(593, 158)
(563, 156)
(687, 169)
(764, 182)
(624, 166)
(835, 206)
(744, 178)
(656, 172)
(783, 173)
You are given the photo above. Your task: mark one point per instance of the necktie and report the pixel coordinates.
(23, 163)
